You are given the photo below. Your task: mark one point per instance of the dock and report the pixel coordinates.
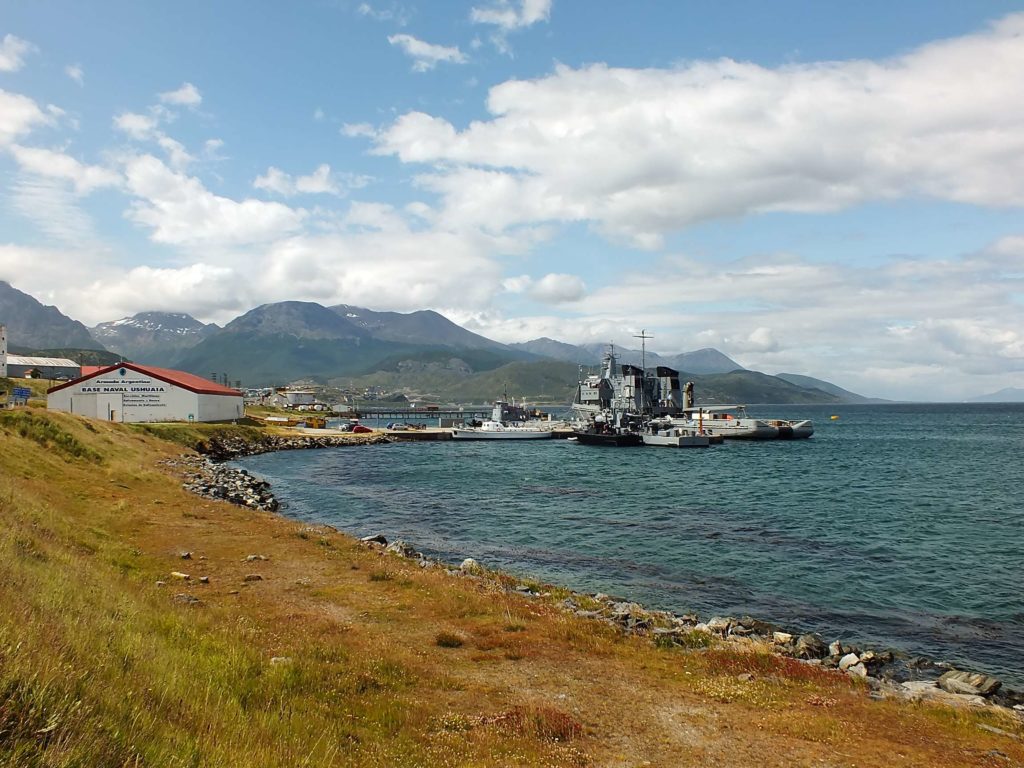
(404, 414)
(437, 433)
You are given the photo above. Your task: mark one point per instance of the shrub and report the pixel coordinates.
(449, 640)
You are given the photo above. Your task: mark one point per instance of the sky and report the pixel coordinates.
(830, 189)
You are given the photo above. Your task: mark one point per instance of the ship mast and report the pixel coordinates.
(643, 367)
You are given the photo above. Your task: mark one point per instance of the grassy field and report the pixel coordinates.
(330, 653)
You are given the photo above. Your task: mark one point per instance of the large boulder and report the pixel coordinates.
(811, 646)
(968, 683)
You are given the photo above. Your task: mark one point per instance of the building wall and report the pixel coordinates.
(137, 397)
(16, 371)
(219, 408)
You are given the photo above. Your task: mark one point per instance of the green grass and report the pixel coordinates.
(39, 428)
(192, 435)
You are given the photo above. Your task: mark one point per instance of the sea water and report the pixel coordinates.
(895, 526)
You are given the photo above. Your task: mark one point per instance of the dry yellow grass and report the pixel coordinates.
(341, 655)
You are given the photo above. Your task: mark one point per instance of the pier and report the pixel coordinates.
(403, 414)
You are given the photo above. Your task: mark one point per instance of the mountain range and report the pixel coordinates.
(151, 338)
(420, 353)
(700, 361)
(33, 325)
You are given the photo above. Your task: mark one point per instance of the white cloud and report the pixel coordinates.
(180, 210)
(551, 289)
(422, 269)
(59, 165)
(12, 53)
(199, 289)
(54, 272)
(139, 127)
(355, 130)
(53, 208)
(426, 56)
(212, 148)
(320, 181)
(178, 156)
(558, 288)
(510, 15)
(640, 153)
(147, 128)
(48, 188)
(518, 284)
(18, 116)
(275, 180)
(393, 12)
(75, 72)
(185, 96)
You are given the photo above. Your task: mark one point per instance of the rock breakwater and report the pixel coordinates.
(212, 480)
(228, 447)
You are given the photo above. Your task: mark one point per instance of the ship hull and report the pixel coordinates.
(610, 440)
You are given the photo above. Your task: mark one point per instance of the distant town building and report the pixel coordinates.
(299, 396)
(128, 392)
(21, 367)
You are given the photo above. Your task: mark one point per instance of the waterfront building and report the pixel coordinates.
(128, 392)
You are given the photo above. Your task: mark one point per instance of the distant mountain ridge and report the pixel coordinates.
(422, 351)
(32, 324)
(1005, 395)
(287, 340)
(705, 360)
(423, 327)
(844, 395)
(153, 338)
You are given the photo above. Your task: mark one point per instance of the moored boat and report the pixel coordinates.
(657, 394)
(609, 439)
(495, 430)
(506, 423)
(729, 421)
(674, 437)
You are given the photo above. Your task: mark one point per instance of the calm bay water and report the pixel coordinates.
(896, 526)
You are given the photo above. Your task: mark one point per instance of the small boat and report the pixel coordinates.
(611, 429)
(506, 423)
(495, 430)
(665, 434)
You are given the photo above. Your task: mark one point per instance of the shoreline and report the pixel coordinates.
(890, 673)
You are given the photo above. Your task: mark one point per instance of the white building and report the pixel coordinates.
(133, 393)
(299, 396)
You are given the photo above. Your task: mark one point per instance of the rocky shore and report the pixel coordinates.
(888, 674)
(213, 480)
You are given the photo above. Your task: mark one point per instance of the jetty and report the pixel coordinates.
(428, 412)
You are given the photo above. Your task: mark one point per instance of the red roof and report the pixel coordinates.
(188, 381)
